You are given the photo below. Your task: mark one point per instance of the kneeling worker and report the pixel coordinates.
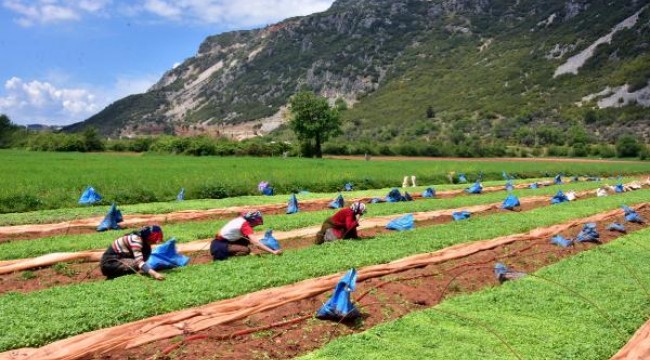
(129, 253)
(235, 238)
(342, 225)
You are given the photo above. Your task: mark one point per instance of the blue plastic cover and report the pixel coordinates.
(509, 186)
(292, 207)
(588, 233)
(337, 203)
(500, 270)
(558, 179)
(394, 196)
(632, 216)
(429, 193)
(270, 241)
(348, 187)
(559, 198)
(475, 189)
(339, 306)
(406, 222)
(561, 241)
(268, 191)
(534, 185)
(89, 196)
(181, 195)
(505, 175)
(166, 256)
(377, 200)
(619, 188)
(462, 179)
(616, 227)
(510, 202)
(111, 219)
(461, 215)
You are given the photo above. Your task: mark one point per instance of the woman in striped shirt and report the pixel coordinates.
(128, 254)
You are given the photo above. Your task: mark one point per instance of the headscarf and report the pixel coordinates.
(253, 217)
(152, 234)
(358, 208)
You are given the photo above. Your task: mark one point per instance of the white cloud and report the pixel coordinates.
(31, 102)
(52, 11)
(233, 13)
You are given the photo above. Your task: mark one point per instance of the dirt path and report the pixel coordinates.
(384, 292)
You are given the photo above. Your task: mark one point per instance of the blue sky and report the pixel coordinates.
(62, 61)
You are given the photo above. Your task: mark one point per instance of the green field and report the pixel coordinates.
(35, 181)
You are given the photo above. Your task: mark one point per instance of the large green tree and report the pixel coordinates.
(312, 119)
(7, 128)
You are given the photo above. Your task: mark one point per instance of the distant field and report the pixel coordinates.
(42, 180)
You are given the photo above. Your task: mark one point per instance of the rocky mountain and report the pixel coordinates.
(414, 69)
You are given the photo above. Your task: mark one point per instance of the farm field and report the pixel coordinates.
(37, 181)
(54, 312)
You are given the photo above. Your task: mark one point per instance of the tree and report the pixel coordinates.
(92, 140)
(7, 128)
(313, 119)
(627, 146)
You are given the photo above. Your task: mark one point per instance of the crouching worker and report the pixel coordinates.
(129, 253)
(342, 225)
(235, 238)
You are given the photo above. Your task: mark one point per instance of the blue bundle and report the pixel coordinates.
(588, 233)
(557, 180)
(632, 216)
(339, 307)
(181, 195)
(166, 256)
(561, 241)
(461, 178)
(534, 185)
(111, 219)
(89, 196)
(509, 186)
(474, 189)
(337, 203)
(406, 222)
(616, 227)
(559, 198)
(270, 241)
(510, 202)
(292, 206)
(348, 187)
(429, 193)
(619, 188)
(461, 215)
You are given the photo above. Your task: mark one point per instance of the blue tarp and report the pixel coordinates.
(181, 195)
(561, 241)
(461, 215)
(337, 203)
(292, 206)
(270, 241)
(339, 306)
(588, 233)
(510, 202)
(559, 198)
(394, 196)
(632, 216)
(377, 200)
(265, 188)
(429, 193)
(406, 222)
(111, 220)
(461, 178)
(474, 189)
(166, 256)
(89, 196)
(558, 179)
(503, 273)
(534, 185)
(348, 187)
(505, 175)
(616, 227)
(619, 188)
(509, 186)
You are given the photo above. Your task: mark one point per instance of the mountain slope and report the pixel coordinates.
(484, 67)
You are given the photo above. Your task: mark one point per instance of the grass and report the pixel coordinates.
(189, 231)
(582, 308)
(40, 317)
(40, 181)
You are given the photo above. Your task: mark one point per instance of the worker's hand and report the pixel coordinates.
(277, 252)
(156, 275)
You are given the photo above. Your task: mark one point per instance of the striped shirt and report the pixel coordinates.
(131, 246)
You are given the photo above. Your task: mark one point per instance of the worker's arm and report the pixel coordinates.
(260, 245)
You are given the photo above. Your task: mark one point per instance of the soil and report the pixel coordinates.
(379, 299)
(72, 273)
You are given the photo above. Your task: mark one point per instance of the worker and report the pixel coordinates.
(235, 238)
(342, 225)
(128, 254)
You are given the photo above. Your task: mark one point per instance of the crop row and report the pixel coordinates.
(40, 317)
(189, 231)
(67, 214)
(55, 180)
(585, 307)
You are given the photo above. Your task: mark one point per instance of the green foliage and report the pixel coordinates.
(313, 119)
(69, 309)
(627, 146)
(7, 129)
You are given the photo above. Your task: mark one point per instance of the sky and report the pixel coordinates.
(62, 61)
